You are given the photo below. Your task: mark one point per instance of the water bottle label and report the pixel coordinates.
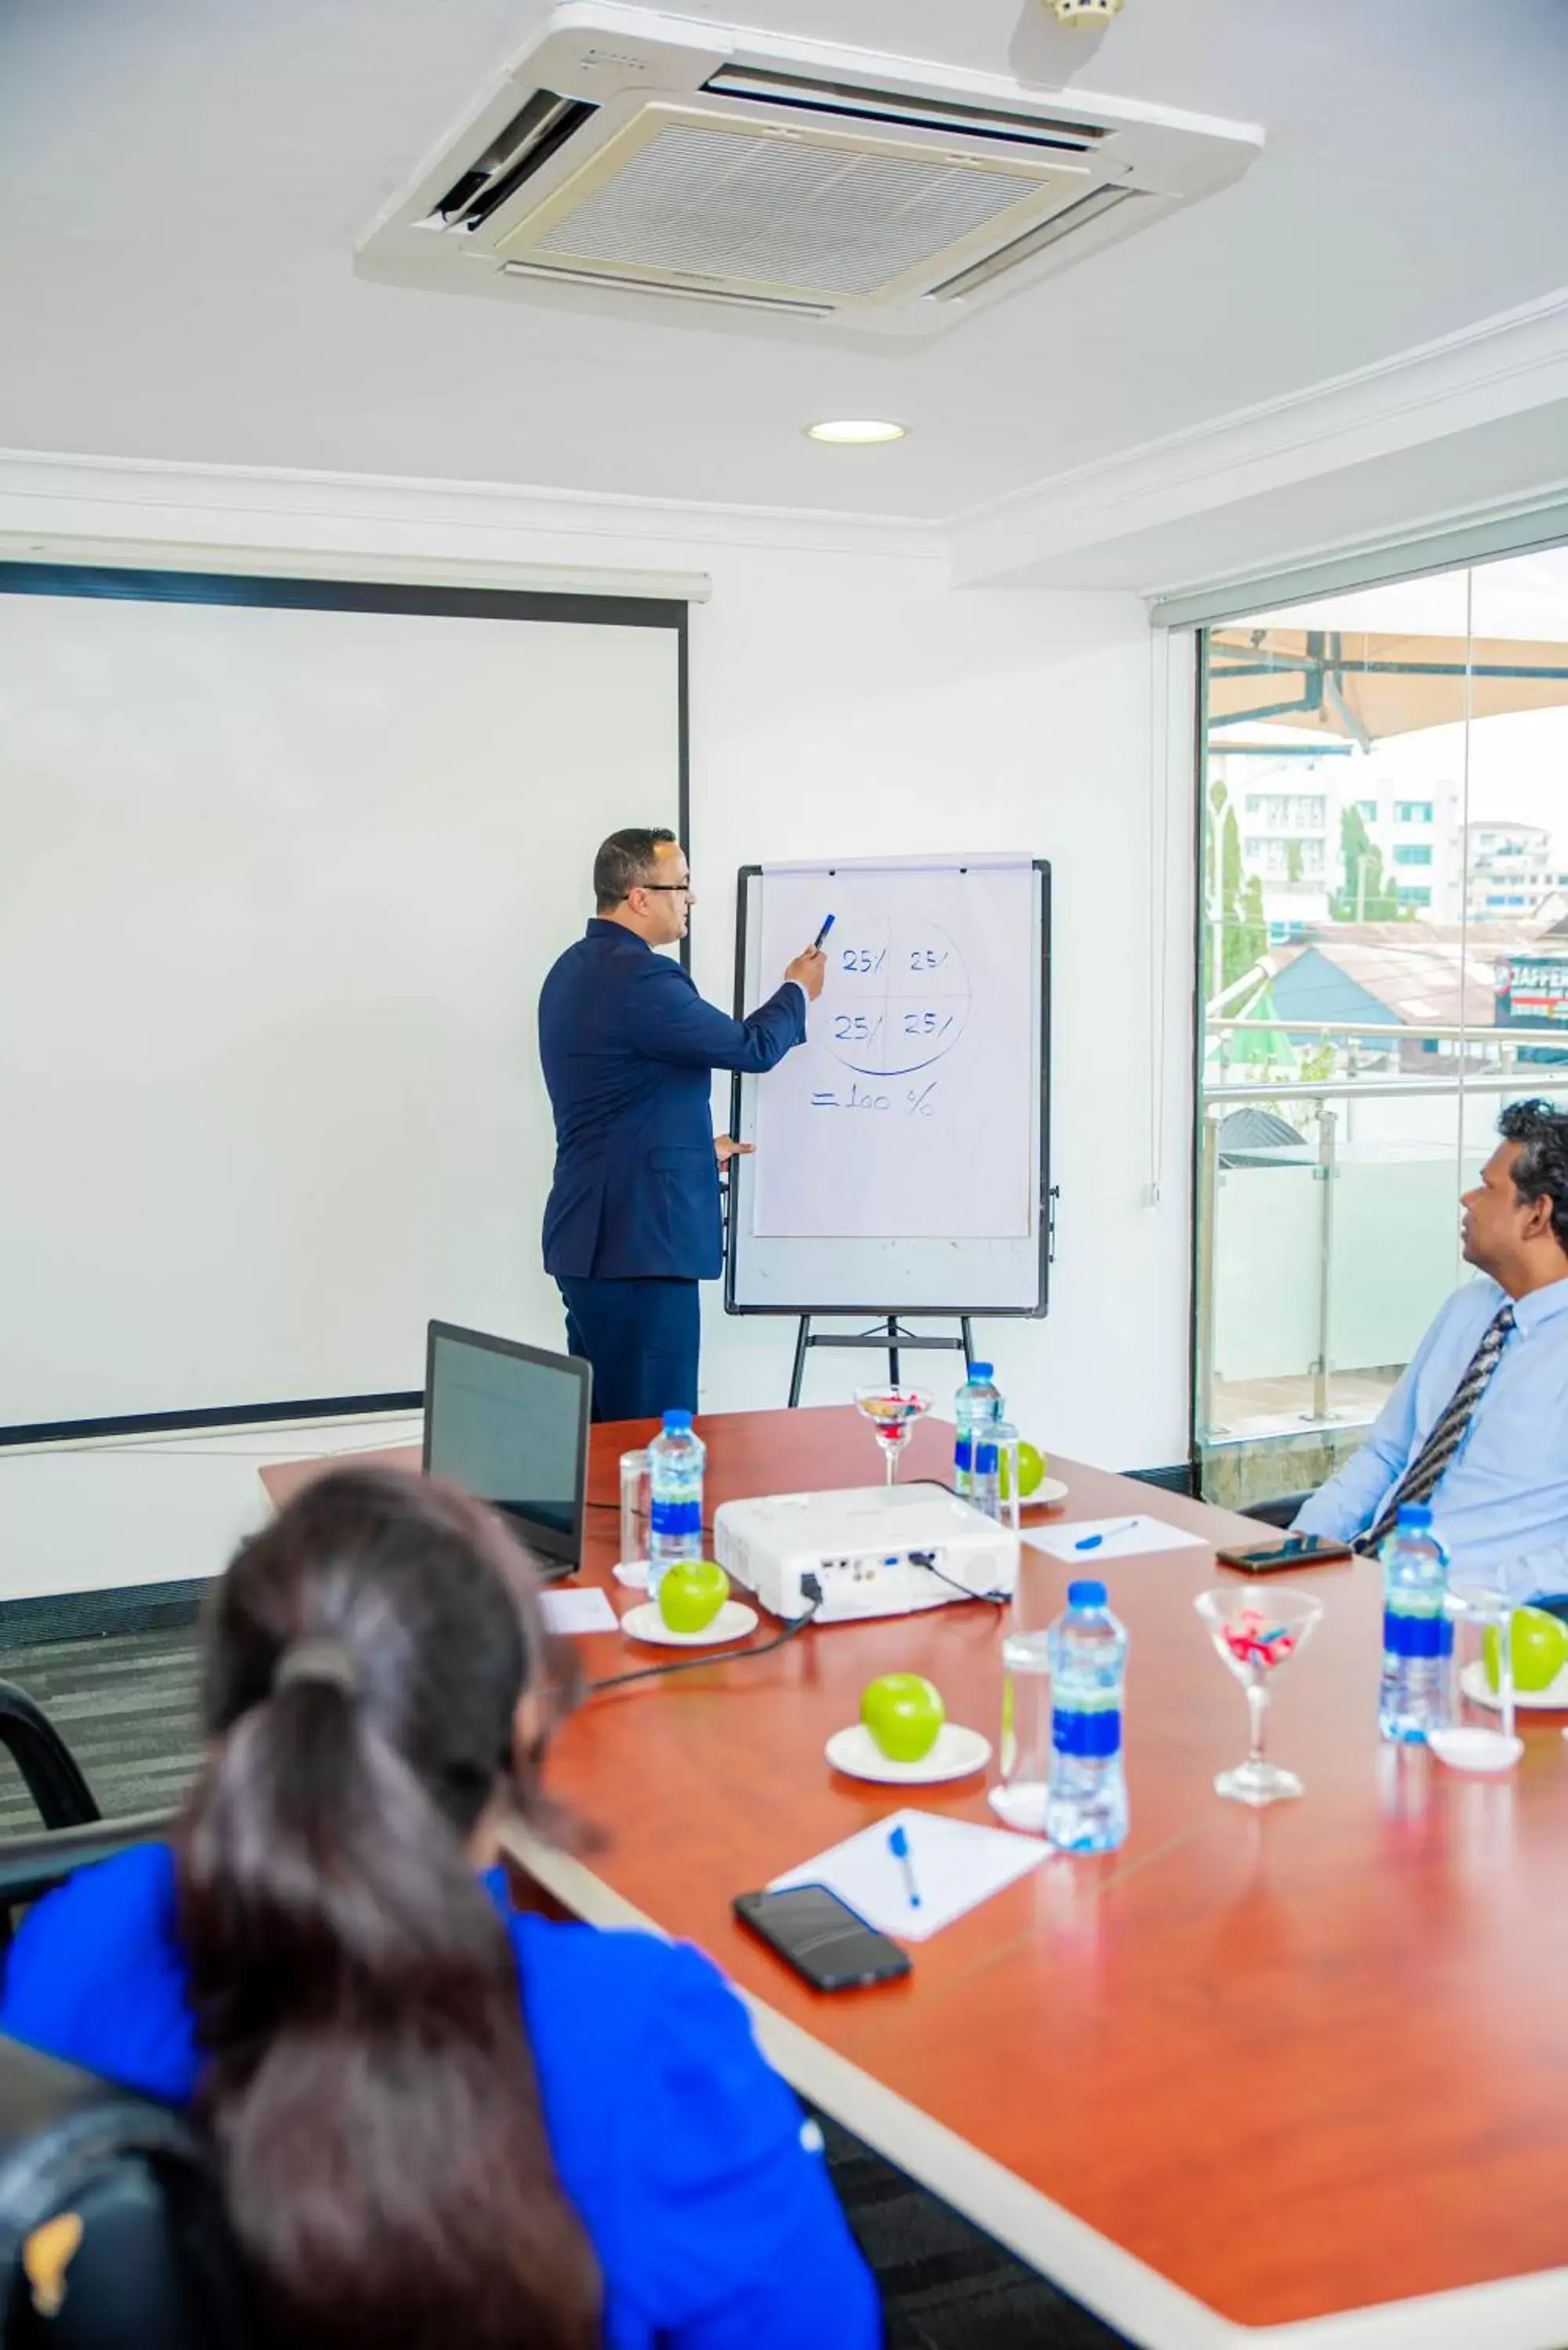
(1405, 1635)
(985, 1460)
(1091, 1737)
(963, 1454)
(671, 1518)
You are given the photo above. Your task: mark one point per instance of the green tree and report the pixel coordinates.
(1238, 935)
(1364, 895)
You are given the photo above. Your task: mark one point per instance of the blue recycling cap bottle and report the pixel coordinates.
(1086, 1800)
(675, 1460)
(977, 1402)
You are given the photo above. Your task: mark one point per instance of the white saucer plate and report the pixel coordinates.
(1471, 1747)
(1553, 1699)
(732, 1622)
(1046, 1494)
(957, 1754)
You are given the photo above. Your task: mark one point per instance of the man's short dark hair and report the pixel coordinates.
(1541, 1169)
(626, 860)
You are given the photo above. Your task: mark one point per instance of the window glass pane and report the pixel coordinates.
(1337, 991)
(1385, 965)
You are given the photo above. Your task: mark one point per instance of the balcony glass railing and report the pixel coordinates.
(1329, 1216)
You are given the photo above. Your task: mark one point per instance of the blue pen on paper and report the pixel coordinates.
(1105, 1535)
(898, 1845)
(817, 942)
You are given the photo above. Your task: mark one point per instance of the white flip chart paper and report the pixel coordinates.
(907, 1113)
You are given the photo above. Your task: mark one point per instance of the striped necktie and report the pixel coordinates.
(1422, 1475)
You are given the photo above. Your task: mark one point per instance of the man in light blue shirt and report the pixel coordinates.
(1479, 1424)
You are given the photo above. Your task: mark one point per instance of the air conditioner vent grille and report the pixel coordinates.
(859, 103)
(1064, 224)
(537, 129)
(721, 203)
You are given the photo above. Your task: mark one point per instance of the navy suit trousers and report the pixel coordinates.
(642, 1340)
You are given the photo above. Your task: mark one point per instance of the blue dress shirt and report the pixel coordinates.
(1501, 1506)
(703, 2192)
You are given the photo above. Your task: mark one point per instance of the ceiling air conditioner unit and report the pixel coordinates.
(626, 152)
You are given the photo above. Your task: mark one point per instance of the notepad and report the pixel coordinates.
(577, 1611)
(1124, 1538)
(957, 1865)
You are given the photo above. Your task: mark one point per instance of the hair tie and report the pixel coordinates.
(318, 1661)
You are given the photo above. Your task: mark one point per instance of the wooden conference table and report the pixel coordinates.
(1297, 2077)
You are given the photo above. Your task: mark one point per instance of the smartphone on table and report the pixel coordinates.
(821, 1937)
(1283, 1557)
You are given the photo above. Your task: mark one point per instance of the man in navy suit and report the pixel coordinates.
(633, 1220)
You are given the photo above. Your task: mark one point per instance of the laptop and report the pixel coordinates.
(510, 1423)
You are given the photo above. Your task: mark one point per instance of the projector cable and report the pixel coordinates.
(811, 1588)
(928, 1559)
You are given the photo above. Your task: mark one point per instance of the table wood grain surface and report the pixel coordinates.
(1295, 2063)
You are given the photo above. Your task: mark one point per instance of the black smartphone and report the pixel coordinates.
(821, 1937)
(1280, 1557)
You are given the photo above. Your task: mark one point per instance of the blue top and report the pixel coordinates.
(629, 1050)
(1501, 1505)
(703, 2192)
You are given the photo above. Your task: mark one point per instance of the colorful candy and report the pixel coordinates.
(1251, 1644)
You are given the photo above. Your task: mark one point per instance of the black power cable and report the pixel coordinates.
(809, 1585)
(928, 1560)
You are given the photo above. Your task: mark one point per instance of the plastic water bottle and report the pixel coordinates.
(676, 1460)
(977, 1400)
(1416, 1692)
(1086, 1806)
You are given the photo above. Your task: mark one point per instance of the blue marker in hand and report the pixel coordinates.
(817, 942)
(898, 1845)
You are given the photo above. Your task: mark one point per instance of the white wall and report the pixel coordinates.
(843, 697)
(840, 706)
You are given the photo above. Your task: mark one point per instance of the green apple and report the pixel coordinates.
(904, 1712)
(692, 1593)
(1538, 1644)
(1032, 1466)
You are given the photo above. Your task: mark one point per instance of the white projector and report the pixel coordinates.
(876, 1550)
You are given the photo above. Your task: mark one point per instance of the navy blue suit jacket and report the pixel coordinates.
(628, 1049)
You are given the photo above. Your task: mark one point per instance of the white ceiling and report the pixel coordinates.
(182, 183)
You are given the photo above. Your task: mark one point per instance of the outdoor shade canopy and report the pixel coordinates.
(1360, 686)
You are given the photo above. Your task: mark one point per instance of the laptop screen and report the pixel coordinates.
(510, 1423)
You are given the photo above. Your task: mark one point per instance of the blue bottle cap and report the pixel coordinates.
(676, 1422)
(981, 1370)
(1415, 1514)
(1087, 1595)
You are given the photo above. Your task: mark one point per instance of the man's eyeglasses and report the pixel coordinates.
(674, 889)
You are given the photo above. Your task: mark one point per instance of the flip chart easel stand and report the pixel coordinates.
(891, 1334)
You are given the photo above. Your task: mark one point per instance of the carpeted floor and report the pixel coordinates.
(125, 1704)
(945, 2285)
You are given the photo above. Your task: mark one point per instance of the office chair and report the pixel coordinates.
(1281, 1513)
(48, 1768)
(112, 2230)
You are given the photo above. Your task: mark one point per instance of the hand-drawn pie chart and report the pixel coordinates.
(898, 997)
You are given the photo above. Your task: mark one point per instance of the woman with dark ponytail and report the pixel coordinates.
(441, 2124)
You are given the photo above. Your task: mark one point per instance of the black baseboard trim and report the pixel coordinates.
(94, 1614)
(1181, 1478)
(228, 1415)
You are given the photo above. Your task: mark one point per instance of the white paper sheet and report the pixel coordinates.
(577, 1611)
(957, 1865)
(907, 1112)
(1124, 1538)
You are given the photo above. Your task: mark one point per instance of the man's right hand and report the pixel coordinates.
(808, 971)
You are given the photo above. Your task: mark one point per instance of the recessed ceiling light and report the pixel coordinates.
(856, 431)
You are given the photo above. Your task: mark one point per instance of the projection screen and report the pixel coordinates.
(284, 863)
